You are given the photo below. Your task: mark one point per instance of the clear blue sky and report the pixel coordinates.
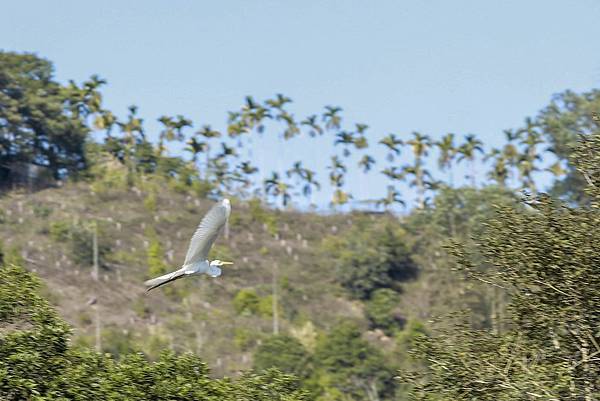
(429, 65)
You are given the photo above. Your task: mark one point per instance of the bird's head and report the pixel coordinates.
(219, 263)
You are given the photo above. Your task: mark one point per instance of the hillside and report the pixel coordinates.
(199, 314)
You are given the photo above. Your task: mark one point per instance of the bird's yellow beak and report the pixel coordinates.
(226, 263)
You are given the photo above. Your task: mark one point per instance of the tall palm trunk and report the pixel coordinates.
(420, 182)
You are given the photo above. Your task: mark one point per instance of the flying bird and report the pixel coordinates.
(196, 262)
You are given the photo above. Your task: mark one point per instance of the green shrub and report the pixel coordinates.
(244, 339)
(118, 342)
(246, 302)
(10, 256)
(261, 215)
(59, 231)
(265, 306)
(284, 353)
(370, 256)
(150, 202)
(347, 363)
(382, 311)
(42, 211)
(155, 259)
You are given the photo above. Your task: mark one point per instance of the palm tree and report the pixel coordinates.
(277, 104)
(237, 124)
(340, 197)
(172, 131)
(242, 173)
(422, 181)
(279, 101)
(306, 178)
(106, 120)
(208, 133)
(526, 169)
(366, 163)
(394, 173)
(255, 118)
(336, 177)
(360, 141)
(344, 138)
(331, 117)
(499, 172)
(291, 129)
(337, 172)
(393, 145)
(392, 197)
(447, 155)
(247, 168)
(86, 100)
(510, 152)
(130, 128)
(529, 157)
(420, 145)
(314, 127)
(275, 187)
(468, 151)
(226, 151)
(196, 147)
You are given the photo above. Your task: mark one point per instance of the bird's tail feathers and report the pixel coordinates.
(158, 281)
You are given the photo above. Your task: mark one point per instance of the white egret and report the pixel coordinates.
(196, 262)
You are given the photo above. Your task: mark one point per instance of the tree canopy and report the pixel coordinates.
(42, 123)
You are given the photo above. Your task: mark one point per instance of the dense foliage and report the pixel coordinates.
(37, 362)
(42, 123)
(547, 258)
(370, 257)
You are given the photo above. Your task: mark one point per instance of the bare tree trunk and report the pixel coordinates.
(98, 328)
(95, 250)
(275, 308)
(95, 276)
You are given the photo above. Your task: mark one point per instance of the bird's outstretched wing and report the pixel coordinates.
(167, 278)
(207, 232)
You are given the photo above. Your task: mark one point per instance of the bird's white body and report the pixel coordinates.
(196, 262)
(203, 267)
